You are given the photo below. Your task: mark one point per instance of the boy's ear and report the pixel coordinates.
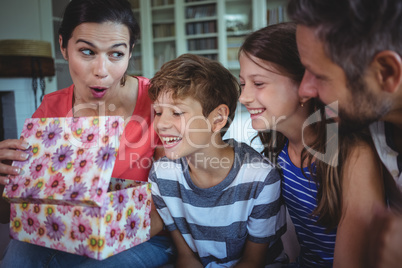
(389, 74)
(219, 117)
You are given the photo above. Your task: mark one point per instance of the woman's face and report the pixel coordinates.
(98, 56)
(271, 98)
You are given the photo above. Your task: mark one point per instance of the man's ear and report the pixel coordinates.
(219, 117)
(131, 53)
(389, 72)
(63, 49)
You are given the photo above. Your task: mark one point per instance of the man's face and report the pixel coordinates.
(358, 104)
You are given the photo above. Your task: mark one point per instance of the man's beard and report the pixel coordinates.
(364, 109)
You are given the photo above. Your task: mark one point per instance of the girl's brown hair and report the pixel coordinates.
(276, 44)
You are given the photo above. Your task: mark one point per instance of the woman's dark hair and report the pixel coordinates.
(276, 44)
(98, 11)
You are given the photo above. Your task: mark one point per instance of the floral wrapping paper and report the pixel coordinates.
(65, 197)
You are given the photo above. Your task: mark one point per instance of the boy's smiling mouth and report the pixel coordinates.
(170, 141)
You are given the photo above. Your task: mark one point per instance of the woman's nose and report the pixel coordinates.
(100, 67)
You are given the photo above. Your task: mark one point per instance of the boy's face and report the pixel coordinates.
(181, 126)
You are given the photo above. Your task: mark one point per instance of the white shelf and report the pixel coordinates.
(238, 33)
(201, 36)
(157, 50)
(199, 3)
(204, 51)
(163, 7)
(201, 19)
(164, 39)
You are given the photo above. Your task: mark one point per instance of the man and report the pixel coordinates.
(352, 51)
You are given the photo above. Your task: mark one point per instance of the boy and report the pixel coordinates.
(219, 199)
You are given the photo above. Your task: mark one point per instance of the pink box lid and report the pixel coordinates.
(70, 160)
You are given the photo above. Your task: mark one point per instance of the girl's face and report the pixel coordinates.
(98, 56)
(271, 98)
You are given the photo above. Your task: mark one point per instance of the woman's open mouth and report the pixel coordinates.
(98, 92)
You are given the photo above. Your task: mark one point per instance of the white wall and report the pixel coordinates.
(24, 19)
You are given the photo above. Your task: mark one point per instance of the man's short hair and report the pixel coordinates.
(352, 31)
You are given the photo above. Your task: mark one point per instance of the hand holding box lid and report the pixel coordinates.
(66, 199)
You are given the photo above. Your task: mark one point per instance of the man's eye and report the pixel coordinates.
(87, 52)
(117, 55)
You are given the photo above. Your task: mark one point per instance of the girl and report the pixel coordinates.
(329, 193)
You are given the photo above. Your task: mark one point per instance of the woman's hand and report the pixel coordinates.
(9, 153)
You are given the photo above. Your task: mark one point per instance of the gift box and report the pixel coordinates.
(65, 197)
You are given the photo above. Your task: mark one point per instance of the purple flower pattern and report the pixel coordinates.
(132, 225)
(140, 197)
(55, 169)
(20, 164)
(75, 123)
(106, 157)
(16, 186)
(39, 166)
(30, 222)
(56, 184)
(83, 163)
(112, 233)
(61, 157)
(84, 251)
(30, 127)
(90, 136)
(58, 246)
(81, 228)
(75, 192)
(55, 227)
(120, 200)
(92, 212)
(31, 193)
(51, 134)
(114, 126)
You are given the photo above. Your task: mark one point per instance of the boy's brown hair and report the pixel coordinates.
(205, 80)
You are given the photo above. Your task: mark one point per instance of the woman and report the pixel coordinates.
(330, 194)
(96, 38)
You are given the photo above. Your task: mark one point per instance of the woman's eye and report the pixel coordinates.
(242, 85)
(258, 84)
